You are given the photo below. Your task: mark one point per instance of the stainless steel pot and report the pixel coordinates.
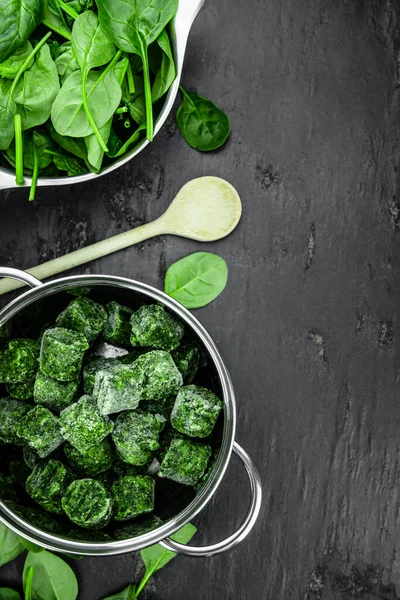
(147, 293)
(179, 32)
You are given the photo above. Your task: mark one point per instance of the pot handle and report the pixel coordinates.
(20, 276)
(244, 529)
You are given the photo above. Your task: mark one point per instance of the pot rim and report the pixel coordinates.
(57, 543)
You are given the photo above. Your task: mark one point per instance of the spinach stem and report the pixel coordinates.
(70, 11)
(147, 95)
(19, 152)
(89, 114)
(52, 153)
(35, 173)
(131, 82)
(63, 32)
(121, 110)
(28, 586)
(27, 61)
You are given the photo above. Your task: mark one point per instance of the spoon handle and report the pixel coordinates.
(85, 255)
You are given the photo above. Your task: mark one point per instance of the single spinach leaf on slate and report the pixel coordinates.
(53, 579)
(133, 27)
(66, 62)
(156, 557)
(116, 150)
(103, 94)
(30, 546)
(128, 593)
(164, 69)
(18, 19)
(10, 67)
(197, 279)
(8, 594)
(36, 91)
(10, 545)
(203, 125)
(53, 18)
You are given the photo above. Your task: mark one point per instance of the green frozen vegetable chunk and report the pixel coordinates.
(122, 468)
(95, 460)
(11, 412)
(46, 485)
(118, 328)
(83, 425)
(21, 390)
(40, 430)
(185, 461)
(61, 353)
(85, 316)
(132, 496)
(136, 436)
(162, 407)
(206, 475)
(19, 471)
(87, 504)
(91, 369)
(137, 527)
(5, 332)
(19, 361)
(161, 377)
(38, 517)
(31, 457)
(7, 491)
(119, 388)
(153, 326)
(195, 411)
(53, 394)
(187, 359)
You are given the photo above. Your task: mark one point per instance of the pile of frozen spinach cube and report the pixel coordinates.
(84, 438)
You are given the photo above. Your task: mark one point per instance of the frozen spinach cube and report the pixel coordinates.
(119, 388)
(95, 460)
(187, 358)
(87, 504)
(162, 407)
(38, 517)
(136, 436)
(21, 390)
(5, 332)
(46, 485)
(91, 369)
(62, 353)
(40, 430)
(161, 377)
(132, 496)
(19, 361)
(185, 461)
(153, 326)
(11, 412)
(195, 411)
(83, 425)
(53, 394)
(118, 328)
(85, 316)
(206, 475)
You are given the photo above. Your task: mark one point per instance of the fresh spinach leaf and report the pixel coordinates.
(53, 18)
(30, 546)
(66, 62)
(117, 150)
(10, 545)
(197, 279)
(164, 69)
(8, 109)
(10, 67)
(133, 26)
(53, 579)
(75, 146)
(128, 593)
(156, 557)
(36, 91)
(63, 162)
(203, 125)
(103, 94)
(8, 594)
(18, 19)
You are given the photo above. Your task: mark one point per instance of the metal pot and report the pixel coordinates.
(136, 291)
(179, 32)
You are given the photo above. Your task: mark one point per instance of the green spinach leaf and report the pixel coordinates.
(117, 150)
(69, 164)
(75, 146)
(66, 62)
(128, 593)
(10, 545)
(203, 125)
(53, 18)
(10, 67)
(30, 546)
(197, 279)
(90, 45)
(164, 69)
(53, 579)
(36, 91)
(133, 26)
(8, 109)
(18, 19)
(8, 594)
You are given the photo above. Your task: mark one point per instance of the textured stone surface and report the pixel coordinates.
(309, 323)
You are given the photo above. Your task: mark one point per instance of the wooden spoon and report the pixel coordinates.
(205, 209)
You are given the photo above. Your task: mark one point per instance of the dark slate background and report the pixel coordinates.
(309, 324)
